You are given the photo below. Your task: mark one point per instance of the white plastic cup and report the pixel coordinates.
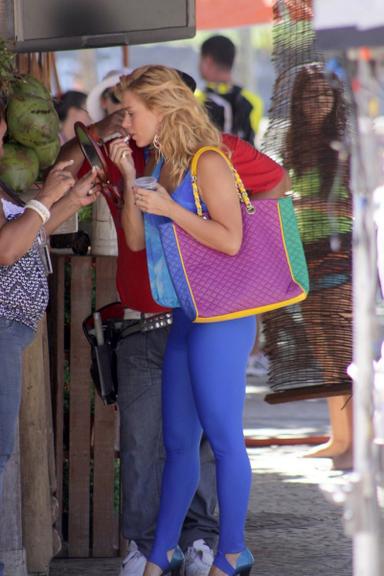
(147, 182)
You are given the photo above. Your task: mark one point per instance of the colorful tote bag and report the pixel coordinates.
(268, 272)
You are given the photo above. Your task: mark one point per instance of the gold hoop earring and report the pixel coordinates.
(156, 142)
(157, 146)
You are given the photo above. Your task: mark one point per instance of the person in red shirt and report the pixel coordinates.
(261, 176)
(139, 359)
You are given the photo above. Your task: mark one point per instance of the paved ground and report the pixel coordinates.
(292, 529)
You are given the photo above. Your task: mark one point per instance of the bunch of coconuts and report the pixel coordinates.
(33, 134)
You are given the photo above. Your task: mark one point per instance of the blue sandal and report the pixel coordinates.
(174, 566)
(243, 564)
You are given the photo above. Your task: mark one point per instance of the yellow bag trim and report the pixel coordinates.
(243, 194)
(250, 311)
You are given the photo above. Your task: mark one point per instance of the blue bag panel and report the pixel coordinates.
(161, 284)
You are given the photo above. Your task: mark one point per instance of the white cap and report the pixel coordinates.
(93, 100)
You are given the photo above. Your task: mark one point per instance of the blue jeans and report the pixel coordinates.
(14, 337)
(142, 456)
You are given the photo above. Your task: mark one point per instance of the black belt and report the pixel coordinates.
(145, 324)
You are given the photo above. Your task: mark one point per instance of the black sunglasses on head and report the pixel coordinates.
(109, 93)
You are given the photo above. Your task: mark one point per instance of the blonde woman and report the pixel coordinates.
(203, 386)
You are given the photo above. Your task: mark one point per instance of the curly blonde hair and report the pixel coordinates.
(185, 126)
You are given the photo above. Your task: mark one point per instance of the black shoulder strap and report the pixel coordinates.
(238, 104)
(236, 91)
(241, 115)
(12, 194)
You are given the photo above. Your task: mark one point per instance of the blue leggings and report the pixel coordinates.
(204, 390)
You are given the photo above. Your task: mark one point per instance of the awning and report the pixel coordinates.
(211, 14)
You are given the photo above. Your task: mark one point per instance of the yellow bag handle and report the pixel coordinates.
(243, 194)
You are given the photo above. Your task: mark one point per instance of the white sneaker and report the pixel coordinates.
(258, 365)
(198, 559)
(134, 562)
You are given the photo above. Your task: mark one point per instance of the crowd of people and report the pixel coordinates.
(181, 387)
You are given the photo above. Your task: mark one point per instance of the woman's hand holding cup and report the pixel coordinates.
(147, 182)
(159, 203)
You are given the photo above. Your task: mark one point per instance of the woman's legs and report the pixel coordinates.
(14, 336)
(329, 331)
(341, 441)
(218, 358)
(182, 433)
(204, 381)
(344, 459)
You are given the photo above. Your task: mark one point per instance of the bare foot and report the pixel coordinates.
(341, 438)
(344, 461)
(330, 449)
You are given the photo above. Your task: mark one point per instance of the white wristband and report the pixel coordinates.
(40, 209)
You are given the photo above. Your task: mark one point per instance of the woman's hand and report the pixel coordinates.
(121, 155)
(84, 192)
(157, 201)
(87, 189)
(57, 184)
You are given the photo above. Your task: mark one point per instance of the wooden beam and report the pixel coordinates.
(79, 410)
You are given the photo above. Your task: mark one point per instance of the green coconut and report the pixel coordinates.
(19, 166)
(32, 121)
(47, 153)
(29, 86)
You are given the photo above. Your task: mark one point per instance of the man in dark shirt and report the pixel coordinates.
(232, 108)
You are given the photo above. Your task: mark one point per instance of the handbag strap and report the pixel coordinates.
(243, 194)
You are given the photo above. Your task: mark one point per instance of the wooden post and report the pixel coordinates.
(105, 539)
(12, 552)
(79, 412)
(125, 56)
(35, 477)
(56, 537)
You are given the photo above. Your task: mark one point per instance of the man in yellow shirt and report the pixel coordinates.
(233, 109)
